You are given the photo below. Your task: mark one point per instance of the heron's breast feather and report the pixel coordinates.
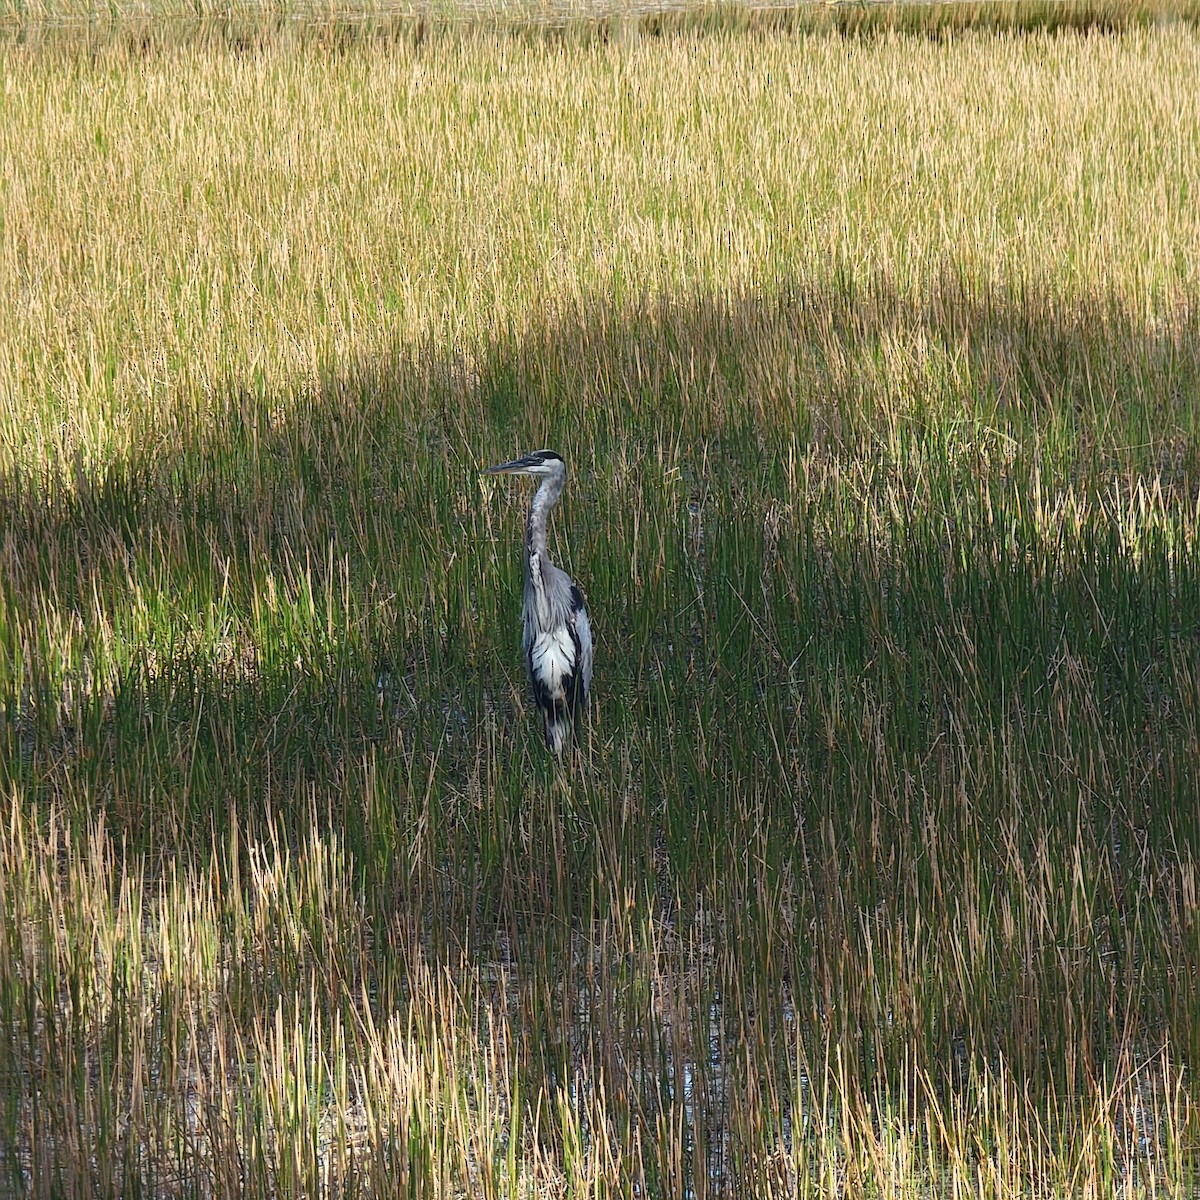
(552, 660)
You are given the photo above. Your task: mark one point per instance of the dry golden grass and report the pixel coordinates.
(177, 223)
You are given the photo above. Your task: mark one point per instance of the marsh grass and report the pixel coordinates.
(874, 361)
(144, 25)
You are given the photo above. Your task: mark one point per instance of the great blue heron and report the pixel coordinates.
(557, 637)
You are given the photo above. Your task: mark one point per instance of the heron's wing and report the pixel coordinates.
(581, 635)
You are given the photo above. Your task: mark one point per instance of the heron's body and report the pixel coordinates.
(557, 637)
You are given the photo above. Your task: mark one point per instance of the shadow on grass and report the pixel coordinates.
(903, 596)
(303, 575)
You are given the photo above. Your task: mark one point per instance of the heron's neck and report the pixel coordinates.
(544, 499)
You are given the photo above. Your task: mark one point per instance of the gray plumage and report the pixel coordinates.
(557, 637)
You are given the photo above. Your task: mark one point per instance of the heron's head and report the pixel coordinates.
(540, 462)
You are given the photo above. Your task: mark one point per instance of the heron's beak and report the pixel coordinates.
(510, 468)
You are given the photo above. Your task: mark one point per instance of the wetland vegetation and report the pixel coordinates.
(873, 356)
